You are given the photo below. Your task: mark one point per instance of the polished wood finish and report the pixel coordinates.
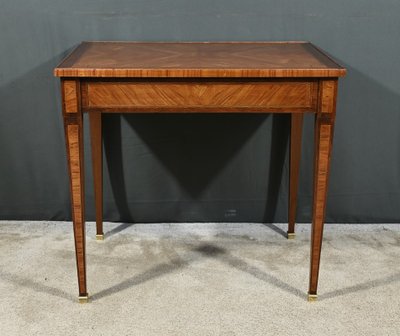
(198, 59)
(324, 125)
(70, 96)
(328, 93)
(74, 142)
(191, 96)
(95, 121)
(296, 127)
(249, 77)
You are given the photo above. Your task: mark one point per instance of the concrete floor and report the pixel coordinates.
(199, 279)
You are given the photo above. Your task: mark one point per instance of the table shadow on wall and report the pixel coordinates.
(194, 149)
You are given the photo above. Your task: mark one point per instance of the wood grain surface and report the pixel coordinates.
(223, 96)
(296, 128)
(324, 133)
(103, 77)
(75, 153)
(70, 94)
(323, 139)
(73, 126)
(96, 141)
(198, 59)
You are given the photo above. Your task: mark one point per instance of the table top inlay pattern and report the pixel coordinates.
(198, 59)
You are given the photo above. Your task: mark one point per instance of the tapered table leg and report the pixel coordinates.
(74, 142)
(296, 127)
(324, 126)
(97, 163)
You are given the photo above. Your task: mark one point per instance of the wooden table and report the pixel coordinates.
(233, 77)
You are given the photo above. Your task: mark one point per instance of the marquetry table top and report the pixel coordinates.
(198, 59)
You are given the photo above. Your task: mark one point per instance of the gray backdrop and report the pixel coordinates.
(200, 167)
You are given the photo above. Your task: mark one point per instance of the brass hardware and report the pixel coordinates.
(83, 299)
(312, 297)
(291, 235)
(100, 237)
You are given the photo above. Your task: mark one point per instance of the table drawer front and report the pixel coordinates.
(198, 97)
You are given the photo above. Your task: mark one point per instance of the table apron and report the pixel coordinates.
(206, 96)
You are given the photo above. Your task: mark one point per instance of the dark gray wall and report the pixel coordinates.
(199, 167)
